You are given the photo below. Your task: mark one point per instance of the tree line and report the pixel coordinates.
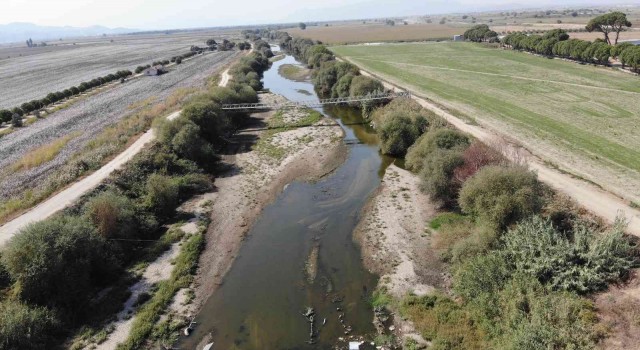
(7, 115)
(557, 43)
(52, 272)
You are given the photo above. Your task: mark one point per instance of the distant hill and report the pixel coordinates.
(20, 32)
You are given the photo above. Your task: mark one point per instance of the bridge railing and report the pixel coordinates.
(316, 103)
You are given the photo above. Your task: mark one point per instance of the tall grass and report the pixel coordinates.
(43, 154)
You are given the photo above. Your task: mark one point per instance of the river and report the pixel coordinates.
(262, 298)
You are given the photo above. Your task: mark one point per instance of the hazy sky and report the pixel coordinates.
(158, 14)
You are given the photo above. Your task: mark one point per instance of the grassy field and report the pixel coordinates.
(585, 119)
(360, 33)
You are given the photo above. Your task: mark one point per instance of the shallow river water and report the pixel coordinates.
(263, 296)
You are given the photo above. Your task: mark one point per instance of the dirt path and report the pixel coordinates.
(591, 197)
(72, 193)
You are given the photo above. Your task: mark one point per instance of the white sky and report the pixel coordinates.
(160, 14)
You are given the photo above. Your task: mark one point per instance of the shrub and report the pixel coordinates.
(213, 123)
(27, 327)
(58, 262)
(16, 120)
(5, 116)
(477, 156)
(500, 196)
(531, 317)
(582, 261)
(362, 86)
(436, 176)
(399, 132)
(112, 214)
(443, 322)
(162, 194)
(343, 86)
(434, 139)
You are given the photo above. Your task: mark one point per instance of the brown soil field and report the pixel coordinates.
(362, 33)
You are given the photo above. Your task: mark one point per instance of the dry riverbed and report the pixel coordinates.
(395, 243)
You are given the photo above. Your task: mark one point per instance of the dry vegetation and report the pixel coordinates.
(43, 154)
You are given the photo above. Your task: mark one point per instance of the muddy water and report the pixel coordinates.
(262, 298)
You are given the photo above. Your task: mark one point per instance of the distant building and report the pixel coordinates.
(458, 38)
(155, 70)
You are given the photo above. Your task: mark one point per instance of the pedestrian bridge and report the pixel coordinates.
(315, 103)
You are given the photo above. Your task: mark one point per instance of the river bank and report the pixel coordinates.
(255, 178)
(396, 243)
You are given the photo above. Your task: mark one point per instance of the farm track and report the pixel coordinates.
(79, 188)
(90, 116)
(601, 203)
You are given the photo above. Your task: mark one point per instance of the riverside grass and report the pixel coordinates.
(590, 112)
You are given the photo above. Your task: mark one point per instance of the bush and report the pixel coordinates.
(212, 122)
(501, 196)
(477, 156)
(27, 327)
(532, 318)
(162, 195)
(343, 86)
(58, 262)
(436, 176)
(434, 139)
(112, 214)
(582, 261)
(5, 116)
(362, 86)
(398, 132)
(443, 322)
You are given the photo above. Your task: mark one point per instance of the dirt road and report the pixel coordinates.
(72, 193)
(589, 196)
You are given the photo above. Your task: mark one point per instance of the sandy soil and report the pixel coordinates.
(619, 312)
(596, 200)
(395, 242)
(254, 180)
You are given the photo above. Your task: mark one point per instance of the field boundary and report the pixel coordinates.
(598, 201)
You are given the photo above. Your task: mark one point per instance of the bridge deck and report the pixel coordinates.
(315, 103)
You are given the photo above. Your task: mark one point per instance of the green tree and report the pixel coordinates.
(302, 26)
(613, 22)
